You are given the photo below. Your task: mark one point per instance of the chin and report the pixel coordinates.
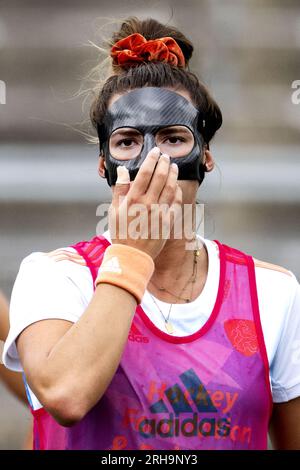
(189, 190)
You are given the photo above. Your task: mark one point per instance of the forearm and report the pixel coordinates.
(14, 382)
(284, 426)
(80, 366)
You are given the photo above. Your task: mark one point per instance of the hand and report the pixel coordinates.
(154, 192)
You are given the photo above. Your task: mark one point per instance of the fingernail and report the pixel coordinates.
(156, 151)
(123, 175)
(175, 166)
(165, 156)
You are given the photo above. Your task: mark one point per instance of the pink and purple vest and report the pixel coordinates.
(208, 390)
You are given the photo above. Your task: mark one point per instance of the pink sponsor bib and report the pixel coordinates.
(208, 390)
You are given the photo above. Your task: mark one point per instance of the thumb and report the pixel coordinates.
(122, 184)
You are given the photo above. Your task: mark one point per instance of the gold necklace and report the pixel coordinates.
(168, 325)
(192, 279)
(164, 289)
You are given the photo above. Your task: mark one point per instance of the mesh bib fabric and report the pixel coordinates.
(208, 390)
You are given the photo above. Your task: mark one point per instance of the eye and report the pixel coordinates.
(174, 139)
(126, 142)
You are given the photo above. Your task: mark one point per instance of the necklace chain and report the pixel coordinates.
(168, 325)
(192, 279)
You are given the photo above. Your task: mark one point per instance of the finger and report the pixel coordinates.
(175, 212)
(178, 195)
(159, 177)
(167, 194)
(145, 173)
(122, 185)
(177, 202)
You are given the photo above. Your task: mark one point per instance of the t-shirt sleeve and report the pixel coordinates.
(285, 367)
(42, 290)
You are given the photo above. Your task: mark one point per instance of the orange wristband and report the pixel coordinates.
(126, 267)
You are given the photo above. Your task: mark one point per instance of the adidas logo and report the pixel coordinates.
(178, 399)
(136, 335)
(112, 265)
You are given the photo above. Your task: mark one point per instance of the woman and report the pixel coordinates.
(130, 341)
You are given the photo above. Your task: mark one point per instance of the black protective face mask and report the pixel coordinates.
(149, 110)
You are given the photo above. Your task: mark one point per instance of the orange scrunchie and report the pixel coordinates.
(135, 49)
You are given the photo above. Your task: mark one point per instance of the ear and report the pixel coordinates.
(101, 166)
(208, 161)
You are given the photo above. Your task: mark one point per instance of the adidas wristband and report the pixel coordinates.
(126, 267)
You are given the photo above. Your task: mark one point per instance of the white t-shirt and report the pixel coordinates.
(48, 288)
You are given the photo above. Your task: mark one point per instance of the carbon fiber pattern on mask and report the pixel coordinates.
(149, 109)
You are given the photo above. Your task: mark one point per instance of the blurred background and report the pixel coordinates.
(246, 51)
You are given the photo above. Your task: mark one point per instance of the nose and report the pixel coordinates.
(149, 143)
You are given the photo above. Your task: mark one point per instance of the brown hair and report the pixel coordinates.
(157, 74)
